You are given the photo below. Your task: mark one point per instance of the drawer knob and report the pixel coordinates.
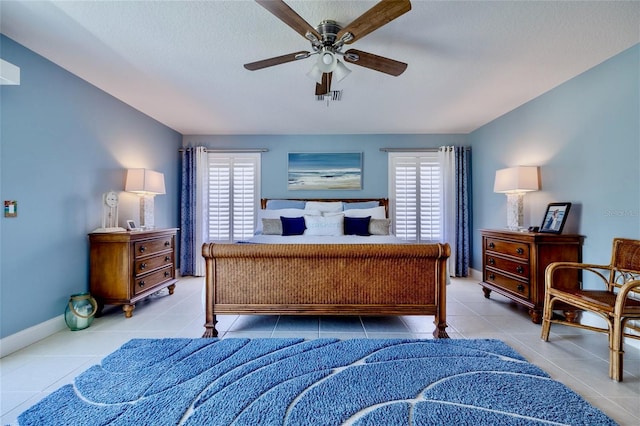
(492, 245)
(143, 265)
(492, 277)
(167, 258)
(141, 283)
(167, 243)
(142, 249)
(166, 274)
(491, 261)
(520, 287)
(520, 250)
(519, 269)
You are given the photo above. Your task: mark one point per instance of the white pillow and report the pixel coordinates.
(275, 214)
(329, 206)
(374, 212)
(324, 225)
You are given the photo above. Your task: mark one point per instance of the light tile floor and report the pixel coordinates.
(575, 357)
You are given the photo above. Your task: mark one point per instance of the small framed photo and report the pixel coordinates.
(555, 217)
(131, 225)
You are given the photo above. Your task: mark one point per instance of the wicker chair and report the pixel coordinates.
(617, 303)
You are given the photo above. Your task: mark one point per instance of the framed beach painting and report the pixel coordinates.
(320, 171)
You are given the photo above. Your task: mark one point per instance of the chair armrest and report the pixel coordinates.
(623, 294)
(591, 267)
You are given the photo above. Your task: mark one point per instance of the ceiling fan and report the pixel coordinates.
(328, 39)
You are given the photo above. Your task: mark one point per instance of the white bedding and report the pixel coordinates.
(325, 239)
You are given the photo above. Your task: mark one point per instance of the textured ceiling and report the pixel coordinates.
(181, 62)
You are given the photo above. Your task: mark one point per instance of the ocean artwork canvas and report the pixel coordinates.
(318, 171)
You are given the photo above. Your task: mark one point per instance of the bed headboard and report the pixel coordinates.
(383, 201)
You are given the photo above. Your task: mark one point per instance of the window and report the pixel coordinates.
(233, 195)
(414, 195)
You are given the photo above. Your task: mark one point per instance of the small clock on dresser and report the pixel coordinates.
(110, 201)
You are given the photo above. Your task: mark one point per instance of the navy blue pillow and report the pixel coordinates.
(357, 226)
(292, 225)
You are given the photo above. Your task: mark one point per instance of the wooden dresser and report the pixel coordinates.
(513, 264)
(128, 266)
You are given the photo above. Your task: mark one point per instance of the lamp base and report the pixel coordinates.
(515, 211)
(146, 212)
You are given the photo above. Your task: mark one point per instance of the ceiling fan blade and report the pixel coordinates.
(287, 15)
(380, 14)
(375, 62)
(258, 65)
(325, 87)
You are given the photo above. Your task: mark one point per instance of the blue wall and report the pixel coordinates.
(374, 170)
(63, 144)
(585, 136)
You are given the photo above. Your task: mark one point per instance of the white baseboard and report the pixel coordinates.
(595, 321)
(475, 274)
(587, 317)
(31, 335)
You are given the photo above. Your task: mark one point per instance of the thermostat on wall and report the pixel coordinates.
(10, 208)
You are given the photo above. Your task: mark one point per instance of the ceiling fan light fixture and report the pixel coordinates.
(315, 74)
(341, 71)
(327, 61)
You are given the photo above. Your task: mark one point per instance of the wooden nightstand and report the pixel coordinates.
(128, 266)
(513, 265)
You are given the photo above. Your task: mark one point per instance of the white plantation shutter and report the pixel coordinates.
(404, 197)
(234, 189)
(414, 193)
(430, 205)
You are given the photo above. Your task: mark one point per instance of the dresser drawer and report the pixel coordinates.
(126, 267)
(511, 248)
(143, 266)
(146, 282)
(514, 263)
(511, 266)
(513, 285)
(150, 247)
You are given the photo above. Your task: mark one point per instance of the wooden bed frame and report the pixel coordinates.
(326, 279)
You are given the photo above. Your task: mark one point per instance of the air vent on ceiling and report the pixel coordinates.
(9, 73)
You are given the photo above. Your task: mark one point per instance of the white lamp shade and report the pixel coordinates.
(315, 74)
(143, 181)
(341, 71)
(517, 179)
(327, 61)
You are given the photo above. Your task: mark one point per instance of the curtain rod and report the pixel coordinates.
(467, 148)
(228, 150)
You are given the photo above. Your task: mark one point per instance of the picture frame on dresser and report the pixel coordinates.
(555, 217)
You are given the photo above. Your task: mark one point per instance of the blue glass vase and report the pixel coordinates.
(80, 311)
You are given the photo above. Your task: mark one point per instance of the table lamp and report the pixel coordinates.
(147, 184)
(515, 182)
